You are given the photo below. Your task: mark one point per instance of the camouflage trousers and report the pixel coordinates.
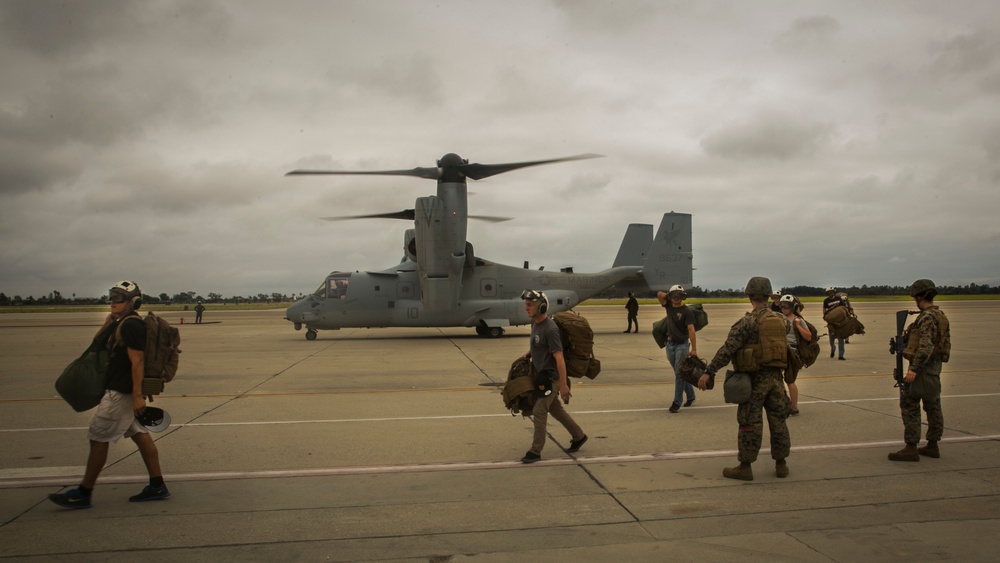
(910, 409)
(767, 394)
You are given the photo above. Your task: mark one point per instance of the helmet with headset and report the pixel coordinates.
(791, 300)
(127, 291)
(535, 295)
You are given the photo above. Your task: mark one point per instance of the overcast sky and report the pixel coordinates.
(817, 143)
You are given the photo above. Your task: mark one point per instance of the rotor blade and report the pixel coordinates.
(407, 214)
(480, 171)
(490, 219)
(428, 173)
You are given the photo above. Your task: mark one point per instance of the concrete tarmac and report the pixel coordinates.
(394, 445)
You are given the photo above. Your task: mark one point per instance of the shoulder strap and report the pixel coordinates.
(118, 329)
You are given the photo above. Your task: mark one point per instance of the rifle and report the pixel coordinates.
(896, 346)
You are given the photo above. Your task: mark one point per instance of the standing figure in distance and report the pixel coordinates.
(928, 344)
(833, 300)
(122, 402)
(198, 310)
(757, 346)
(681, 341)
(633, 311)
(546, 354)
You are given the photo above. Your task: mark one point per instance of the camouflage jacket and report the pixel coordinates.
(929, 338)
(743, 332)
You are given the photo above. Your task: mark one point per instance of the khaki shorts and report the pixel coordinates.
(114, 418)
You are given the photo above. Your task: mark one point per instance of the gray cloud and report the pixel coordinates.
(175, 121)
(776, 136)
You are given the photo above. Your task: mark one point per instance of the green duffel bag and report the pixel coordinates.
(737, 388)
(83, 382)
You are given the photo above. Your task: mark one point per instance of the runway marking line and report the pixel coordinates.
(68, 479)
(468, 416)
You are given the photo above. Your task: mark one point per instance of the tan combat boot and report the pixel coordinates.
(930, 450)
(741, 472)
(909, 453)
(781, 469)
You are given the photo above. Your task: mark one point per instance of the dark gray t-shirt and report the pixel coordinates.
(544, 341)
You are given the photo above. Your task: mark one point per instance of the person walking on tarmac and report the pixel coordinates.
(122, 402)
(928, 344)
(681, 341)
(757, 347)
(633, 311)
(546, 354)
(791, 308)
(833, 300)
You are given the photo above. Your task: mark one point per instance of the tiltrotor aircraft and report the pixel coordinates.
(440, 282)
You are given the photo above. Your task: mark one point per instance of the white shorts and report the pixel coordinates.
(114, 418)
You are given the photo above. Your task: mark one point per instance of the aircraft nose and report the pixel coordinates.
(301, 312)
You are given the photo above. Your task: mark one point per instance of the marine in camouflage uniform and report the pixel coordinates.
(767, 390)
(928, 344)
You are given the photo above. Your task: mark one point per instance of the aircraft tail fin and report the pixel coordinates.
(669, 258)
(634, 246)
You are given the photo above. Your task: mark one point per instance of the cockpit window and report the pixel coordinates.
(321, 290)
(336, 286)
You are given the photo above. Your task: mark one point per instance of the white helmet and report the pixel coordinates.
(129, 291)
(792, 301)
(677, 289)
(831, 288)
(777, 293)
(540, 297)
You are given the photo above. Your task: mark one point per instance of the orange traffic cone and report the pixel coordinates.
(182, 320)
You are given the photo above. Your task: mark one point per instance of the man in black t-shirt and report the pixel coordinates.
(124, 335)
(681, 341)
(832, 301)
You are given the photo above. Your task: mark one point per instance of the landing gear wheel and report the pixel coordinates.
(481, 330)
(495, 332)
(310, 334)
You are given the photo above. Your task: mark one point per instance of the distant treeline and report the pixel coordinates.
(809, 291)
(57, 298)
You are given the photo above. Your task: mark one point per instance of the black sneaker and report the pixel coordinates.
(674, 407)
(150, 493)
(531, 457)
(689, 402)
(575, 445)
(72, 498)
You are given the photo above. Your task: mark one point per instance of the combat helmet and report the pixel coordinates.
(758, 285)
(923, 287)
